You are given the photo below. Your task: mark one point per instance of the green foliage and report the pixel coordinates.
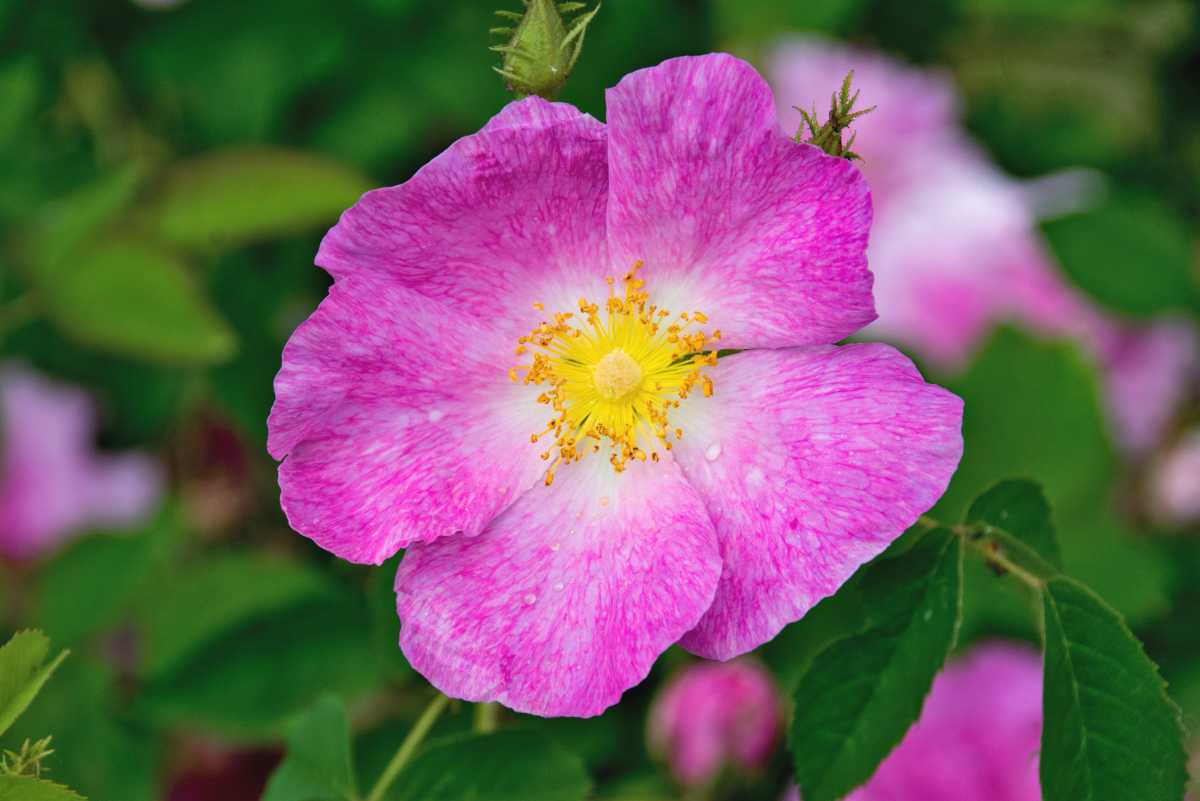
(862, 693)
(1019, 507)
(762, 20)
(251, 680)
(23, 672)
(231, 198)
(1132, 254)
(1109, 731)
(318, 766)
(510, 765)
(27, 788)
(219, 595)
(134, 297)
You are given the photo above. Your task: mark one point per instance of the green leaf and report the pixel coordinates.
(1019, 507)
(1031, 408)
(1133, 254)
(240, 196)
(62, 225)
(85, 588)
(27, 788)
(862, 693)
(134, 298)
(318, 766)
(23, 672)
(756, 20)
(1110, 732)
(219, 595)
(509, 765)
(254, 678)
(97, 748)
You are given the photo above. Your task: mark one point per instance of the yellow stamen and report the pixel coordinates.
(614, 372)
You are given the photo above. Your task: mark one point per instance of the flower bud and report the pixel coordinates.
(716, 715)
(543, 46)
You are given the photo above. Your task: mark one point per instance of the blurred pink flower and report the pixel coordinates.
(52, 483)
(978, 736)
(548, 566)
(712, 715)
(955, 248)
(1174, 482)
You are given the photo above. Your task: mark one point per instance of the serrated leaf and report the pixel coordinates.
(1110, 731)
(240, 196)
(861, 694)
(509, 765)
(135, 298)
(1019, 507)
(27, 788)
(219, 595)
(318, 765)
(23, 673)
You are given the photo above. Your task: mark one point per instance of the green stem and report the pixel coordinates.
(404, 753)
(976, 539)
(487, 716)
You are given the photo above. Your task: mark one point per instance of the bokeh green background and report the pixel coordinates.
(166, 174)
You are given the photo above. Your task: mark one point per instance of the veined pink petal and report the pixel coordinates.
(567, 598)
(504, 218)
(398, 421)
(810, 461)
(731, 217)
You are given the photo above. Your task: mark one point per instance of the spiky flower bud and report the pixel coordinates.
(828, 135)
(542, 46)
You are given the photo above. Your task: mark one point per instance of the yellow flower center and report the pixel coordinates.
(612, 377)
(616, 375)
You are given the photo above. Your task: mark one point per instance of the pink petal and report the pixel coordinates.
(399, 422)
(503, 218)
(731, 217)
(810, 462)
(566, 599)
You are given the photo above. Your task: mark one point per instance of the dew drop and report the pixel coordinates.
(530, 598)
(928, 614)
(555, 546)
(559, 586)
(435, 414)
(713, 452)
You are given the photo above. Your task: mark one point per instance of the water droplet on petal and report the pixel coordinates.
(559, 586)
(555, 546)
(531, 598)
(713, 452)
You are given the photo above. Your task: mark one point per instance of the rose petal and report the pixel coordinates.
(399, 423)
(506, 217)
(810, 462)
(566, 600)
(731, 217)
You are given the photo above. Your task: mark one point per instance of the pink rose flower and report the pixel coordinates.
(955, 247)
(978, 736)
(52, 483)
(515, 377)
(715, 714)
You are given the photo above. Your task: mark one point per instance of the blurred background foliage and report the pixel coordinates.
(168, 172)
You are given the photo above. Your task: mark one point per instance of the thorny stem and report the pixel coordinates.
(407, 748)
